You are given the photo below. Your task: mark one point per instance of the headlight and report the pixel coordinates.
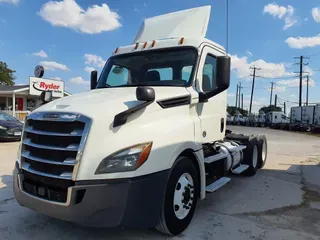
(3, 128)
(128, 159)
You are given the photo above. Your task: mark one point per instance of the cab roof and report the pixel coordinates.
(168, 43)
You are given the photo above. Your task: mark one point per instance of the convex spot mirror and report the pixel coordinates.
(46, 96)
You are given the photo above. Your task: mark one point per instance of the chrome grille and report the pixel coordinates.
(52, 144)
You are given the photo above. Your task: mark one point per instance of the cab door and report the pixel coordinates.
(212, 113)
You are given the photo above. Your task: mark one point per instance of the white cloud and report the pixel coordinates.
(94, 60)
(316, 14)
(275, 10)
(68, 13)
(295, 82)
(308, 70)
(303, 42)
(52, 66)
(79, 80)
(231, 95)
(289, 19)
(41, 53)
(241, 67)
(249, 53)
(10, 1)
(279, 89)
(280, 12)
(57, 78)
(89, 69)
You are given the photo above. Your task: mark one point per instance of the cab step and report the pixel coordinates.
(240, 169)
(217, 184)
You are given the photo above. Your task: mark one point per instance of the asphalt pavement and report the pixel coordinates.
(282, 201)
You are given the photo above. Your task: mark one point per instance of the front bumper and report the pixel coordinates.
(133, 202)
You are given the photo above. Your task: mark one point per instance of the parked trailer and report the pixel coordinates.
(316, 125)
(137, 151)
(277, 120)
(262, 119)
(305, 118)
(239, 119)
(229, 118)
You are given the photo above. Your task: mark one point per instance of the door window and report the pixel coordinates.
(208, 74)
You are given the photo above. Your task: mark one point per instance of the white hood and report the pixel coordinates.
(187, 23)
(108, 102)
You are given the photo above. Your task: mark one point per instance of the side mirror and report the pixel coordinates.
(145, 94)
(223, 68)
(46, 96)
(94, 79)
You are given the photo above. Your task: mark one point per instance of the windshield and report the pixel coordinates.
(171, 67)
(7, 117)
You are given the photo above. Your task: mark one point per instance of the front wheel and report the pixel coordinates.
(180, 198)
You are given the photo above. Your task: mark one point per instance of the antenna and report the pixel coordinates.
(227, 27)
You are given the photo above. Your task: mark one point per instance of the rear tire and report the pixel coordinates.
(262, 150)
(308, 128)
(250, 157)
(180, 198)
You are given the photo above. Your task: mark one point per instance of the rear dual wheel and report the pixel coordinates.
(255, 155)
(180, 198)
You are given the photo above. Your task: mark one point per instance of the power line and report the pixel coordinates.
(287, 100)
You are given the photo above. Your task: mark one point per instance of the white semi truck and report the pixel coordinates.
(147, 142)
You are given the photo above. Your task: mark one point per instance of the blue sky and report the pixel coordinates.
(70, 37)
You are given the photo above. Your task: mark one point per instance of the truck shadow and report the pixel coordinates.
(270, 193)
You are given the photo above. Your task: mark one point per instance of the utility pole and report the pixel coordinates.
(307, 101)
(300, 75)
(271, 92)
(241, 100)
(284, 108)
(275, 100)
(252, 87)
(239, 95)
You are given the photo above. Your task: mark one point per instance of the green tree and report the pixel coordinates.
(233, 110)
(6, 75)
(271, 108)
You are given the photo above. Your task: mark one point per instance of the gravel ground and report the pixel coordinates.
(281, 202)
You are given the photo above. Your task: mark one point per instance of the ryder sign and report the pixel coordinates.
(37, 85)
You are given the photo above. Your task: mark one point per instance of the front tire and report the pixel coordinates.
(180, 198)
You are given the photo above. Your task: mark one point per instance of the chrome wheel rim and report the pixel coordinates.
(183, 196)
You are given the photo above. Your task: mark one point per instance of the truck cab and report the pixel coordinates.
(147, 142)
